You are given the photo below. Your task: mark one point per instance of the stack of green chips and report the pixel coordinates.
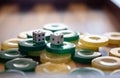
(58, 53)
(30, 47)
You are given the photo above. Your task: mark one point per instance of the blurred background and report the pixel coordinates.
(92, 16)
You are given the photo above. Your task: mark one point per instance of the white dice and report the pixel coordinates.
(39, 36)
(56, 39)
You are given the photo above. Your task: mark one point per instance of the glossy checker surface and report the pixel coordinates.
(86, 72)
(55, 58)
(65, 48)
(55, 27)
(52, 68)
(9, 55)
(94, 40)
(114, 37)
(79, 45)
(106, 63)
(10, 43)
(23, 64)
(85, 56)
(115, 52)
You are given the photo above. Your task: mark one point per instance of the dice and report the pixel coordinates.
(56, 39)
(39, 36)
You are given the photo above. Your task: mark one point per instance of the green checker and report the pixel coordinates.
(22, 64)
(85, 55)
(69, 35)
(30, 46)
(65, 48)
(9, 55)
(13, 74)
(55, 27)
(47, 33)
(86, 72)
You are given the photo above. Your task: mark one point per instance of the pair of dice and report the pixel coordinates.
(55, 38)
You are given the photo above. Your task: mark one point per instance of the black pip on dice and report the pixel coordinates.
(56, 39)
(39, 36)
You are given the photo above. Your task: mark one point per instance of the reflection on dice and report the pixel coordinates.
(56, 39)
(39, 36)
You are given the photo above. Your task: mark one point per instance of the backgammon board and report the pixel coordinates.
(80, 17)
